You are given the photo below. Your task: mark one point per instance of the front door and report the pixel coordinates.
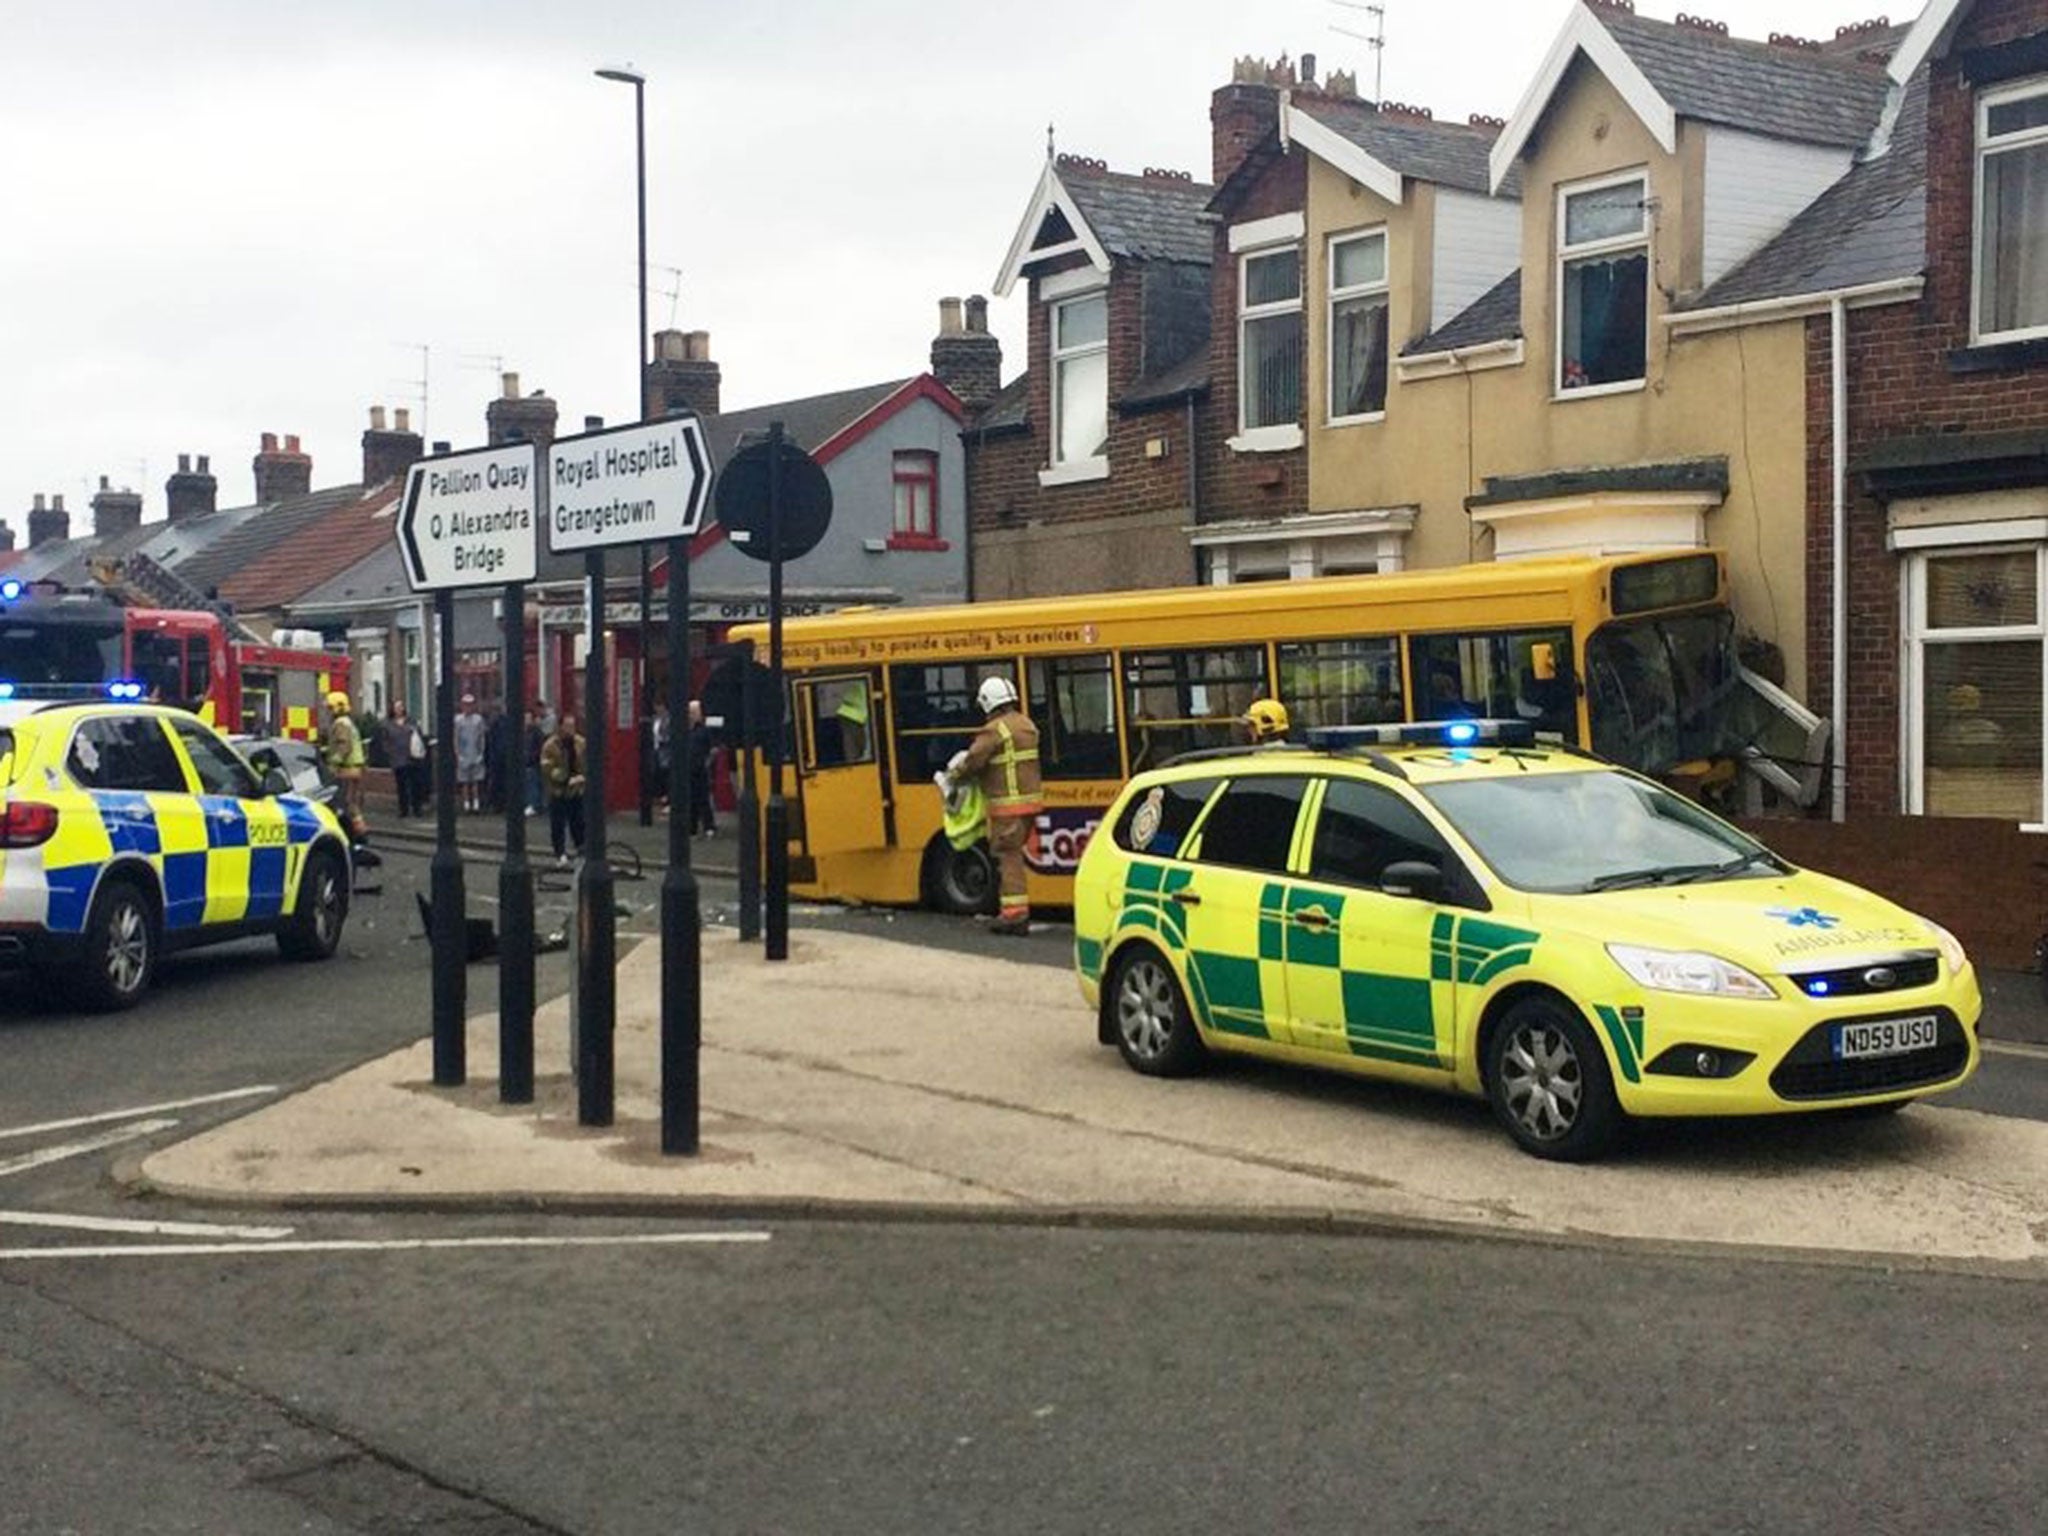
(1359, 964)
(840, 774)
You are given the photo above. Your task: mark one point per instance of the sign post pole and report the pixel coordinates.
(515, 875)
(682, 1021)
(596, 919)
(777, 947)
(750, 803)
(450, 936)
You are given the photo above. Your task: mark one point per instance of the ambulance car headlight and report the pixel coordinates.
(1950, 946)
(1686, 970)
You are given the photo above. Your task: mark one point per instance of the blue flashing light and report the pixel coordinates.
(122, 688)
(1461, 733)
(1818, 987)
(1425, 733)
(6, 691)
(10, 589)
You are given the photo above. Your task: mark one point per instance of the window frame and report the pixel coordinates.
(1916, 635)
(1279, 433)
(926, 474)
(1565, 254)
(184, 784)
(1248, 784)
(1088, 465)
(1981, 153)
(1383, 290)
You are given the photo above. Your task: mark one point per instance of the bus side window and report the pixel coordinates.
(1497, 676)
(1341, 682)
(838, 721)
(1183, 701)
(1073, 704)
(934, 714)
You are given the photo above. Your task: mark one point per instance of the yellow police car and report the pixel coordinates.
(1459, 906)
(127, 830)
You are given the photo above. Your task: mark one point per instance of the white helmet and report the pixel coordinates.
(994, 693)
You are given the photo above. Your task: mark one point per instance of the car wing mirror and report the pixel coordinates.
(1414, 878)
(275, 783)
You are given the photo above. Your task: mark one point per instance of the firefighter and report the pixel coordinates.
(343, 750)
(1004, 757)
(1265, 721)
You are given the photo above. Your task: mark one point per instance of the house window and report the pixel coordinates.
(916, 473)
(2012, 211)
(1269, 338)
(1603, 259)
(1358, 326)
(1080, 379)
(1975, 656)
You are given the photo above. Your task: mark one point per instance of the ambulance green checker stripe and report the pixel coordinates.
(1626, 1031)
(1476, 949)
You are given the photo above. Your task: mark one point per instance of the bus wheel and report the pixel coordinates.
(959, 881)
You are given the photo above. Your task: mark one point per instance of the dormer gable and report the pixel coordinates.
(1081, 207)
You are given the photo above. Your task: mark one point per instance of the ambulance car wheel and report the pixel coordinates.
(1547, 1080)
(313, 931)
(1149, 1015)
(120, 949)
(959, 881)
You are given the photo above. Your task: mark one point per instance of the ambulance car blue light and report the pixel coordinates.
(10, 589)
(122, 688)
(1461, 734)
(6, 690)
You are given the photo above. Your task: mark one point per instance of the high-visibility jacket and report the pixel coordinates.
(1005, 757)
(344, 746)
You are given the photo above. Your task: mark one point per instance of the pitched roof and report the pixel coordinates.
(1869, 227)
(1150, 217)
(1496, 315)
(251, 533)
(1189, 376)
(319, 549)
(1782, 93)
(1448, 154)
(1008, 411)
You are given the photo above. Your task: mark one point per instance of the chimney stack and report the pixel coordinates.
(1244, 112)
(115, 512)
(965, 357)
(682, 375)
(512, 419)
(190, 492)
(389, 453)
(48, 525)
(6, 537)
(281, 472)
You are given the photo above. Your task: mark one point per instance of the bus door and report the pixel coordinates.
(841, 776)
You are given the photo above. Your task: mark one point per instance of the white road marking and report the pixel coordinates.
(377, 1245)
(18, 1131)
(2013, 1048)
(140, 1228)
(113, 1138)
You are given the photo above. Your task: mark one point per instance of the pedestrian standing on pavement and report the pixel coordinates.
(405, 748)
(664, 733)
(561, 770)
(470, 737)
(495, 738)
(1004, 757)
(343, 750)
(699, 746)
(540, 724)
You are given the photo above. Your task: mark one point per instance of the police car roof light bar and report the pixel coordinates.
(1424, 733)
(11, 588)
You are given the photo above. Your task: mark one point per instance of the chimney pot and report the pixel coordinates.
(184, 463)
(57, 502)
(510, 383)
(668, 346)
(402, 419)
(949, 317)
(681, 377)
(291, 443)
(39, 503)
(697, 346)
(270, 442)
(1308, 69)
(203, 461)
(977, 315)
(376, 418)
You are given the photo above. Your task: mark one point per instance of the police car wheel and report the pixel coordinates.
(959, 881)
(313, 931)
(120, 949)
(1547, 1080)
(1149, 1014)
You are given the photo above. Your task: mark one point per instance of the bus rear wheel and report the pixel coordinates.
(959, 881)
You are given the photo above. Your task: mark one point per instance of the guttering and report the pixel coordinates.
(1487, 354)
(1894, 290)
(1838, 595)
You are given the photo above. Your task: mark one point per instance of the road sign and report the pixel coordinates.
(467, 519)
(804, 500)
(628, 485)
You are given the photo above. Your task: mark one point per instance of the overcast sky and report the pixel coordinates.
(226, 217)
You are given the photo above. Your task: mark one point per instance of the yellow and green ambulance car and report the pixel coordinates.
(1458, 906)
(128, 829)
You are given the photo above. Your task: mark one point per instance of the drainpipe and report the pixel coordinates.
(1194, 491)
(1838, 592)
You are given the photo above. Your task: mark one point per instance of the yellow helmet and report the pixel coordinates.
(1267, 719)
(337, 700)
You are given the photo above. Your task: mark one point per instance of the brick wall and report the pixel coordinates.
(1984, 881)
(1901, 384)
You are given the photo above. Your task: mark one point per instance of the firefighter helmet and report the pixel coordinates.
(1267, 719)
(995, 693)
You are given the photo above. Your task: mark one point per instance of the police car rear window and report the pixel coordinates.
(1156, 822)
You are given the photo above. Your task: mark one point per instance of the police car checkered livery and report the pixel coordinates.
(127, 830)
(1459, 907)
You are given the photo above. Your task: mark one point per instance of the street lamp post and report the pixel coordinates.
(645, 694)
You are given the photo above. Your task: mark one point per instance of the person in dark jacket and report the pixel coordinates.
(562, 766)
(702, 817)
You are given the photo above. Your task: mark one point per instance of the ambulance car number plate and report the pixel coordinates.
(1885, 1037)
